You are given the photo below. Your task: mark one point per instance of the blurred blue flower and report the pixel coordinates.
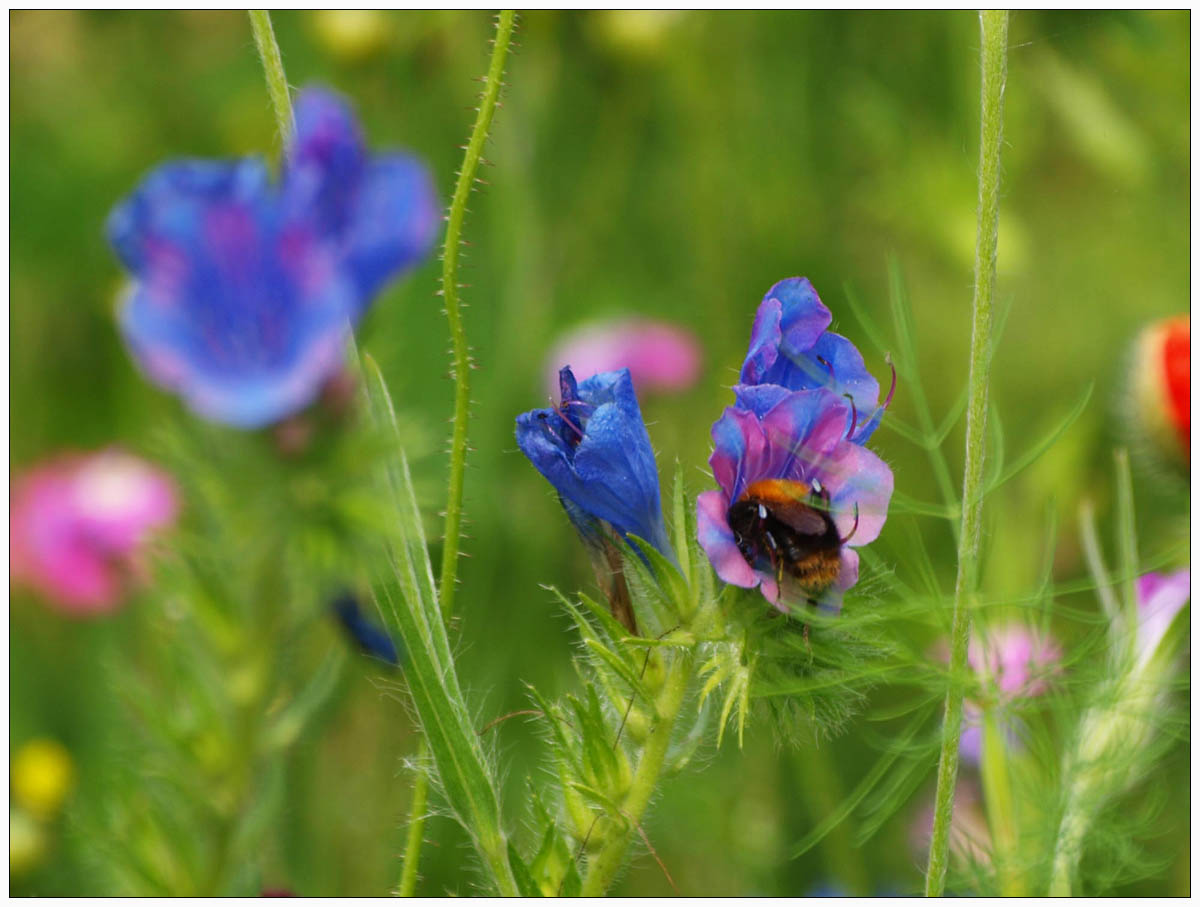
(245, 290)
(790, 347)
(594, 449)
(370, 639)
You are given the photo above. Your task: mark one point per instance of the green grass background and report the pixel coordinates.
(676, 175)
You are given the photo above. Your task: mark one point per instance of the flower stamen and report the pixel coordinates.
(853, 529)
(853, 416)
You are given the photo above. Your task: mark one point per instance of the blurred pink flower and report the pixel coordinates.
(660, 356)
(1160, 596)
(1016, 659)
(1019, 663)
(77, 523)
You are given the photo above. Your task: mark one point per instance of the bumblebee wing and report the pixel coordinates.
(800, 518)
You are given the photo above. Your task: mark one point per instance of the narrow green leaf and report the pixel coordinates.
(950, 420)
(680, 524)
(1126, 530)
(867, 325)
(903, 503)
(995, 453)
(1045, 443)
(873, 777)
(622, 669)
(527, 887)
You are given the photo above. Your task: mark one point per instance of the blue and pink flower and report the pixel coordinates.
(801, 436)
(246, 290)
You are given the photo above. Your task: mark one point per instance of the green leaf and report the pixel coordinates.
(902, 503)
(1126, 529)
(407, 599)
(680, 524)
(527, 887)
(872, 778)
(866, 324)
(1045, 443)
(624, 670)
(666, 577)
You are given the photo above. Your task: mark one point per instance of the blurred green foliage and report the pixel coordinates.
(667, 164)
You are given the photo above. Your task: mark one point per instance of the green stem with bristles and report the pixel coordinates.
(993, 26)
(447, 585)
(458, 334)
(272, 61)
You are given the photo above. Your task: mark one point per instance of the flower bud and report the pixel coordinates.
(1159, 408)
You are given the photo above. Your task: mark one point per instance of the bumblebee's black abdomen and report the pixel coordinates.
(772, 537)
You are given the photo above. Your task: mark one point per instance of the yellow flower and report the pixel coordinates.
(26, 843)
(351, 34)
(42, 775)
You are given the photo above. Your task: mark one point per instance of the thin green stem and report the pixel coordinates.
(462, 400)
(603, 867)
(998, 800)
(458, 334)
(416, 828)
(272, 61)
(822, 785)
(993, 26)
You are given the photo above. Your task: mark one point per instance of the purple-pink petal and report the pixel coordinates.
(856, 477)
(1160, 597)
(77, 524)
(717, 540)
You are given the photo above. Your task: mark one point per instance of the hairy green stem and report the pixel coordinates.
(993, 26)
(416, 830)
(458, 334)
(447, 585)
(277, 86)
(603, 867)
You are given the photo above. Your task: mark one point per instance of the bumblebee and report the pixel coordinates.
(787, 524)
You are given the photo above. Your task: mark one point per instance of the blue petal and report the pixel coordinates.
(759, 399)
(394, 223)
(790, 319)
(610, 473)
(171, 200)
(325, 162)
(805, 317)
(618, 476)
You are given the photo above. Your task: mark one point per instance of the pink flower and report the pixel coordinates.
(78, 522)
(1016, 663)
(1160, 596)
(1017, 660)
(659, 356)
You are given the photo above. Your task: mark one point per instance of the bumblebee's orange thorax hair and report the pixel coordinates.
(779, 491)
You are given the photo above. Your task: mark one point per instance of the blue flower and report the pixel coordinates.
(790, 347)
(594, 449)
(245, 290)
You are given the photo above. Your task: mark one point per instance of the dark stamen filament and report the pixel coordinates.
(853, 416)
(854, 528)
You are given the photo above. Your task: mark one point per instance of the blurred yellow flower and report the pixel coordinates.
(26, 843)
(350, 34)
(635, 32)
(42, 775)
